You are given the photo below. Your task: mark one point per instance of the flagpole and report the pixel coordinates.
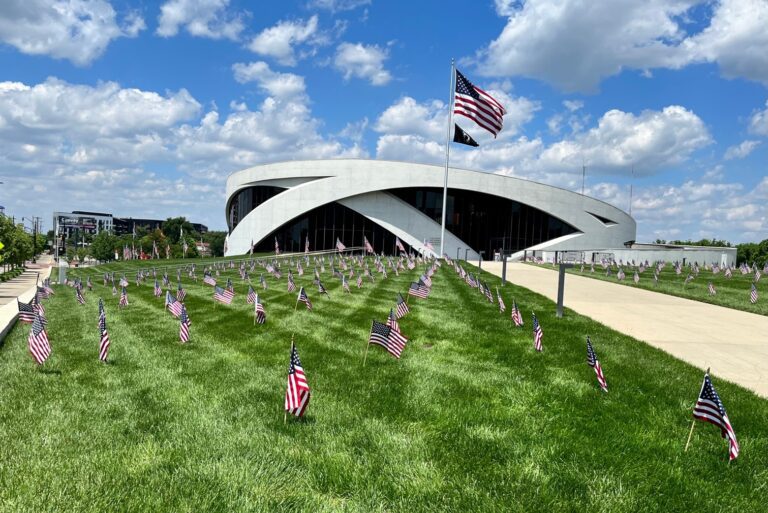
(447, 158)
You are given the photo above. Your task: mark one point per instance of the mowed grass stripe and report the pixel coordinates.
(731, 292)
(470, 419)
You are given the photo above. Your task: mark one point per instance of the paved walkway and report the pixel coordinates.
(22, 287)
(733, 343)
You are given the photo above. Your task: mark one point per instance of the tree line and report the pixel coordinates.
(105, 245)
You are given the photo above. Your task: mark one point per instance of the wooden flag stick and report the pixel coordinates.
(367, 346)
(690, 433)
(693, 425)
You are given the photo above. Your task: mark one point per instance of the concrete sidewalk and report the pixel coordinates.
(22, 287)
(733, 343)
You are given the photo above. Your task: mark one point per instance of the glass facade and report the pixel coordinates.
(323, 225)
(484, 221)
(248, 199)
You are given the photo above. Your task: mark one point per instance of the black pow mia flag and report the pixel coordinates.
(461, 137)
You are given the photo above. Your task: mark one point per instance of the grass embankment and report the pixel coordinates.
(470, 419)
(730, 292)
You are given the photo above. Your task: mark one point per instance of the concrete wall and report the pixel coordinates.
(314, 183)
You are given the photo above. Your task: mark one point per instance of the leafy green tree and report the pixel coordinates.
(104, 245)
(216, 240)
(171, 228)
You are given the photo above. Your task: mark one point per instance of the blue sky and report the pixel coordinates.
(143, 108)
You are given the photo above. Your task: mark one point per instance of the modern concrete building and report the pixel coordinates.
(323, 200)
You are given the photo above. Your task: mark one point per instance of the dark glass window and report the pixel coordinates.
(323, 225)
(484, 221)
(248, 199)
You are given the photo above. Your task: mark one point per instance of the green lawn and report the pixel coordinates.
(730, 292)
(470, 419)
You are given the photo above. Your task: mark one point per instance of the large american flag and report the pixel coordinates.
(297, 393)
(753, 294)
(472, 102)
(184, 325)
(304, 299)
(388, 338)
(104, 341)
(537, 334)
(223, 295)
(39, 346)
(593, 362)
(709, 408)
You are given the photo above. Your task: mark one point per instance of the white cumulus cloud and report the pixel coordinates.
(277, 84)
(77, 30)
(279, 41)
(741, 150)
(201, 18)
(362, 61)
(758, 123)
(545, 39)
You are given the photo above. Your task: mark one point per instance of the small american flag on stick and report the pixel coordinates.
(79, 296)
(251, 297)
(26, 312)
(537, 334)
(402, 307)
(123, 298)
(517, 317)
(711, 289)
(388, 338)
(709, 408)
(259, 314)
(753, 294)
(184, 324)
(392, 321)
(104, 341)
(593, 362)
(297, 393)
(39, 346)
(223, 295)
(172, 304)
(303, 298)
